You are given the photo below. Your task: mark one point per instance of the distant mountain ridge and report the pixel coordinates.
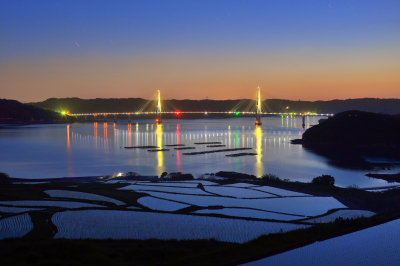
(77, 105)
(14, 112)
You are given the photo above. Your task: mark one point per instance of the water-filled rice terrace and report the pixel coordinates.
(180, 210)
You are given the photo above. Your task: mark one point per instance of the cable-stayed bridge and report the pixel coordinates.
(158, 112)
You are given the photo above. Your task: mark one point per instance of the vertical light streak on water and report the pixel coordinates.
(178, 157)
(105, 138)
(229, 136)
(137, 135)
(237, 165)
(259, 167)
(147, 134)
(96, 147)
(160, 156)
(69, 154)
(130, 135)
(116, 144)
(237, 137)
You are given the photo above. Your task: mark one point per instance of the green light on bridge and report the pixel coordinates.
(237, 113)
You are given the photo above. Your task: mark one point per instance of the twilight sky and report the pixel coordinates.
(292, 49)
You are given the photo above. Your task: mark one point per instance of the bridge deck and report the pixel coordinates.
(196, 112)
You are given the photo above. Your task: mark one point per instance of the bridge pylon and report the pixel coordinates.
(258, 105)
(158, 119)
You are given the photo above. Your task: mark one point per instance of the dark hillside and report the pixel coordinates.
(14, 112)
(387, 106)
(356, 128)
(76, 105)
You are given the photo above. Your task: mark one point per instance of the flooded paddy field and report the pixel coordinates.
(225, 212)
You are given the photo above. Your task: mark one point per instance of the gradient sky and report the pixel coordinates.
(308, 50)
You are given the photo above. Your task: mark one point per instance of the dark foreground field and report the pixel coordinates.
(39, 248)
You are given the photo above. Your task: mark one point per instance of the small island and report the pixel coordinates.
(356, 129)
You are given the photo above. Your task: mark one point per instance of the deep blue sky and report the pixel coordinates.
(42, 31)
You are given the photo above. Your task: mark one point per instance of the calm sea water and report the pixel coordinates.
(89, 149)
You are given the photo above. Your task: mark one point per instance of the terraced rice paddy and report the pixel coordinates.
(191, 191)
(345, 214)
(378, 245)
(243, 205)
(15, 226)
(241, 185)
(203, 182)
(161, 204)
(103, 224)
(307, 206)
(48, 203)
(237, 192)
(280, 192)
(17, 209)
(249, 213)
(81, 195)
(133, 208)
(113, 181)
(170, 184)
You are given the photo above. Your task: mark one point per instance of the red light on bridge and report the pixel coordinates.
(177, 113)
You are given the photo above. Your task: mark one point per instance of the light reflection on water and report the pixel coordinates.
(259, 165)
(160, 155)
(87, 149)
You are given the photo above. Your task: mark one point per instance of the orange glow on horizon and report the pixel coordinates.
(294, 74)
